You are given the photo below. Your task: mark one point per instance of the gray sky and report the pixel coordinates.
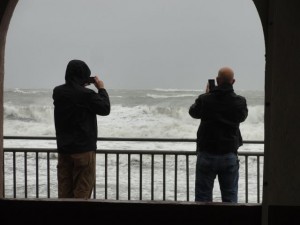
(135, 44)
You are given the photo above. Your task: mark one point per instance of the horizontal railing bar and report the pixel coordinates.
(122, 139)
(146, 139)
(29, 137)
(120, 151)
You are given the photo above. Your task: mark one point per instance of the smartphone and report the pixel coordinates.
(211, 84)
(91, 80)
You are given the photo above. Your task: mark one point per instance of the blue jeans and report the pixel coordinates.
(208, 166)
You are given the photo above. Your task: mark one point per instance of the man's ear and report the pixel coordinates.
(233, 81)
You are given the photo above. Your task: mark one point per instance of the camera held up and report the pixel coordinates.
(211, 84)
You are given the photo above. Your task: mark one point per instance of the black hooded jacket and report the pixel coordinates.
(221, 111)
(75, 110)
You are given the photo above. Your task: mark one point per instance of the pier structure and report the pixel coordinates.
(280, 21)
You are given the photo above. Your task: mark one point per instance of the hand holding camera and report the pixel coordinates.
(96, 81)
(210, 85)
(99, 84)
(91, 80)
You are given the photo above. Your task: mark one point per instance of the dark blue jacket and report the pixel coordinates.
(221, 111)
(75, 110)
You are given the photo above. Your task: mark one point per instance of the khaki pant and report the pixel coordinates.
(76, 174)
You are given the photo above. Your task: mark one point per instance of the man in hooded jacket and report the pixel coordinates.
(75, 111)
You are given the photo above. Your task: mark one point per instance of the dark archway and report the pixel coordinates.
(6, 11)
(281, 22)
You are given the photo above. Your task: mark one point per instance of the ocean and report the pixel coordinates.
(157, 113)
(151, 113)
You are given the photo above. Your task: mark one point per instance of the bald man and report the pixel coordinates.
(221, 111)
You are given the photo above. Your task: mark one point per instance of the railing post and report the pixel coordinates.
(175, 177)
(164, 177)
(117, 175)
(141, 177)
(129, 176)
(105, 176)
(246, 178)
(152, 176)
(187, 179)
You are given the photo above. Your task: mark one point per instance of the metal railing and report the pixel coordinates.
(125, 174)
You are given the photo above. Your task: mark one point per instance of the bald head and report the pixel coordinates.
(225, 75)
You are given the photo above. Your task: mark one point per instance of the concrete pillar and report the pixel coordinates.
(6, 10)
(281, 186)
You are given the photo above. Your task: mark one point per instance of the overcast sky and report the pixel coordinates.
(135, 44)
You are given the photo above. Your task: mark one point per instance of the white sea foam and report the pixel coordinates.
(171, 96)
(177, 90)
(137, 114)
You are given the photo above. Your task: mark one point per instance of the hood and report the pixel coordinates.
(77, 72)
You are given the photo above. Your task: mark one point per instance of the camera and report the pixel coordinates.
(211, 84)
(91, 80)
